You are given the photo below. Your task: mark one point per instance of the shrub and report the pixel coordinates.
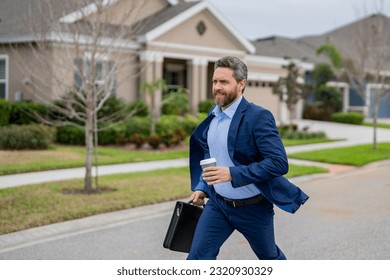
(154, 141)
(285, 128)
(71, 135)
(168, 124)
(303, 135)
(113, 109)
(189, 123)
(329, 97)
(23, 137)
(174, 137)
(138, 125)
(5, 112)
(205, 106)
(171, 129)
(137, 139)
(174, 129)
(292, 132)
(351, 118)
(25, 112)
(176, 103)
(201, 116)
(317, 112)
(22, 112)
(112, 135)
(138, 108)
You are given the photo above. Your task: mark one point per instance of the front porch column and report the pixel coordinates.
(197, 82)
(346, 98)
(152, 71)
(344, 90)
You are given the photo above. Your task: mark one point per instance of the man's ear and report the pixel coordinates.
(241, 85)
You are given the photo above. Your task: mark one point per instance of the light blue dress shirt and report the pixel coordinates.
(217, 141)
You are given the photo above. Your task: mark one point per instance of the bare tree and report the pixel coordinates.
(82, 51)
(366, 68)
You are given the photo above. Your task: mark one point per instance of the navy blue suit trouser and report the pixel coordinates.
(218, 221)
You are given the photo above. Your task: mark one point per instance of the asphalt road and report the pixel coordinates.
(346, 218)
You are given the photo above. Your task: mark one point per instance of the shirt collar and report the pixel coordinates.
(229, 110)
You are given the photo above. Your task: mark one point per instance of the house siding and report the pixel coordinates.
(215, 35)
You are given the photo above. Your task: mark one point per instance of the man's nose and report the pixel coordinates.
(217, 86)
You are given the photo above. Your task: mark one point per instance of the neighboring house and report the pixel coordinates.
(348, 40)
(178, 41)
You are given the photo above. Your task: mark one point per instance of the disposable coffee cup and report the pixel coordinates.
(208, 162)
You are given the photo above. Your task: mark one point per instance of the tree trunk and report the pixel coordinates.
(291, 113)
(95, 150)
(89, 144)
(375, 122)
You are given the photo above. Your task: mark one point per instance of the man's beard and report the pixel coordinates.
(228, 99)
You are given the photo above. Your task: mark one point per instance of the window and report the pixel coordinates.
(175, 74)
(3, 77)
(105, 74)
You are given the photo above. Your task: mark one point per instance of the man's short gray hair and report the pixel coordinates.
(240, 71)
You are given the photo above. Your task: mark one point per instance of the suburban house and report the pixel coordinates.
(144, 41)
(353, 41)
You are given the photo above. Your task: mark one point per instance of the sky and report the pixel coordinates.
(294, 18)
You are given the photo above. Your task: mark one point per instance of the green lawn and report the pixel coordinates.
(296, 142)
(380, 125)
(356, 155)
(74, 156)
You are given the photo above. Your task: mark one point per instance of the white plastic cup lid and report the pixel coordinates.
(208, 161)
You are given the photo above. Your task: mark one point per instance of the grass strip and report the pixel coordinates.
(12, 162)
(356, 155)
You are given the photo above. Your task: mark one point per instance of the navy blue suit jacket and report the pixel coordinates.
(257, 152)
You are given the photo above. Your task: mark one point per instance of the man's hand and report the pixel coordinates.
(198, 198)
(216, 174)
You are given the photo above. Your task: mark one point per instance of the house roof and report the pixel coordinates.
(346, 39)
(287, 48)
(19, 17)
(15, 22)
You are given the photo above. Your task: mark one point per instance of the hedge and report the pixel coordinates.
(26, 137)
(21, 113)
(350, 118)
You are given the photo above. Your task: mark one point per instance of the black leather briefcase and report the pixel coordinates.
(181, 229)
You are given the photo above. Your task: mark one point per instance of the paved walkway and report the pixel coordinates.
(347, 216)
(23, 179)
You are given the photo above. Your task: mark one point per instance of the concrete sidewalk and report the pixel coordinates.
(23, 179)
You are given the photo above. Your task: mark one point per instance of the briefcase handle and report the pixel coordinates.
(190, 202)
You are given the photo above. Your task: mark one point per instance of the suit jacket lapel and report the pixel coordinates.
(233, 130)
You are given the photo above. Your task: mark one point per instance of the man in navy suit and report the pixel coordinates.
(248, 179)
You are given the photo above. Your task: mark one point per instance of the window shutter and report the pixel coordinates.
(2, 69)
